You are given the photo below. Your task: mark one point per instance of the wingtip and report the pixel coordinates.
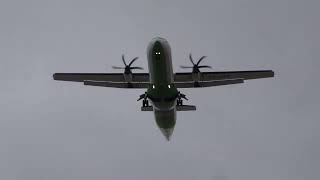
(272, 73)
(54, 76)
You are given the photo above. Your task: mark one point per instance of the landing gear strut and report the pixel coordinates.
(179, 102)
(179, 99)
(145, 103)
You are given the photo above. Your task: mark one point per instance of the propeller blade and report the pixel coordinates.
(186, 67)
(116, 67)
(190, 57)
(132, 61)
(123, 60)
(201, 59)
(140, 68)
(205, 67)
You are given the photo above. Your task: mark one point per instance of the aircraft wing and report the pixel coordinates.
(214, 76)
(181, 80)
(200, 84)
(136, 85)
(112, 77)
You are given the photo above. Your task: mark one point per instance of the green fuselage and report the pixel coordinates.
(162, 92)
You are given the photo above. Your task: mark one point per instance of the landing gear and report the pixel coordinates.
(179, 102)
(145, 103)
(180, 96)
(144, 98)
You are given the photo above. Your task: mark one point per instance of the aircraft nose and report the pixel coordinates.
(157, 46)
(167, 133)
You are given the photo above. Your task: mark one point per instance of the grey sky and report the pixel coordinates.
(263, 129)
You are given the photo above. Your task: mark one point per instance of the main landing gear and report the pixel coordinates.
(145, 101)
(179, 99)
(179, 102)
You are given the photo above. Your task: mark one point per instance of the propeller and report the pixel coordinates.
(196, 68)
(127, 67)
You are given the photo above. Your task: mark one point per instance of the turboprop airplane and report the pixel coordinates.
(161, 83)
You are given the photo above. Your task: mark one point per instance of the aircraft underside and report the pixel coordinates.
(161, 83)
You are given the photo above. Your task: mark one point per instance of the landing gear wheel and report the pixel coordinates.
(145, 103)
(179, 102)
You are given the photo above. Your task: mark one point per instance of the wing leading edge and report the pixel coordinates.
(115, 80)
(113, 77)
(181, 80)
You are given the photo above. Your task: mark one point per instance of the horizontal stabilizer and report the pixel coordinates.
(147, 108)
(186, 108)
(178, 108)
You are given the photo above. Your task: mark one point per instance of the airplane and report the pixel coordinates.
(161, 83)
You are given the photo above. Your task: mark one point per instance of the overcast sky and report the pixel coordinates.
(263, 129)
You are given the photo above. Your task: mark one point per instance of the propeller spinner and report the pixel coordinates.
(127, 67)
(195, 68)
